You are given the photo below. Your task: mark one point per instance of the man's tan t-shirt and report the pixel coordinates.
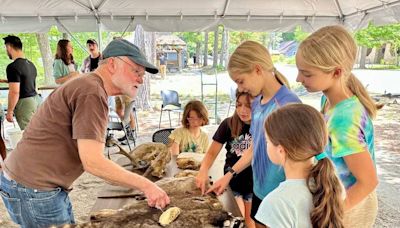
(47, 155)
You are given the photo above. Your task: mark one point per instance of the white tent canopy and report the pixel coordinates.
(192, 15)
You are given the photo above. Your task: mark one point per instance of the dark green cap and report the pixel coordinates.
(121, 47)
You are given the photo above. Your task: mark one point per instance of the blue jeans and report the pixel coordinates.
(246, 197)
(34, 208)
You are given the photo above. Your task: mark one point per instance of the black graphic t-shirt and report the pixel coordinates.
(243, 182)
(94, 63)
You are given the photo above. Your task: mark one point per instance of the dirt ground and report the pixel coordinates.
(387, 144)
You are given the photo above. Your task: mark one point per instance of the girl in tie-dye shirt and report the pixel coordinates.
(325, 60)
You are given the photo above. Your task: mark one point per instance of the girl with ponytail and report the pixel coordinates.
(325, 60)
(311, 195)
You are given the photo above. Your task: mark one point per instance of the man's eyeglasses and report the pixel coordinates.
(134, 69)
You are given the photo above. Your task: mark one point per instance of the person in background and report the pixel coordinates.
(91, 62)
(23, 99)
(234, 133)
(324, 61)
(251, 68)
(66, 137)
(311, 195)
(122, 102)
(163, 66)
(190, 137)
(64, 67)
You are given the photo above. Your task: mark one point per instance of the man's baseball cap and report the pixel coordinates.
(91, 41)
(121, 47)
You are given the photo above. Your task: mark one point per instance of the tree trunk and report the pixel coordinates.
(47, 57)
(387, 56)
(198, 46)
(223, 50)
(379, 55)
(205, 63)
(363, 55)
(215, 52)
(226, 48)
(146, 43)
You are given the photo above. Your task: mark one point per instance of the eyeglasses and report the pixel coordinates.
(193, 118)
(134, 69)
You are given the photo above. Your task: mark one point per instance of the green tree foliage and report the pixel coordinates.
(236, 38)
(31, 50)
(191, 38)
(299, 34)
(376, 36)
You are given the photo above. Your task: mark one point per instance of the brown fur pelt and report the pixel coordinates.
(189, 160)
(153, 157)
(188, 163)
(187, 173)
(196, 210)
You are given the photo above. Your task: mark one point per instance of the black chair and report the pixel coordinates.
(123, 125)
(170, 103)
(162, 135)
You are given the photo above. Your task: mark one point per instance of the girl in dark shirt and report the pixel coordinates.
(234, 133)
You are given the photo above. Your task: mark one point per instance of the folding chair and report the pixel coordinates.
(162, 135)
(170, 99)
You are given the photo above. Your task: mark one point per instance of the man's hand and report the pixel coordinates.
(156, 197)
(3, 81)
(10, 116)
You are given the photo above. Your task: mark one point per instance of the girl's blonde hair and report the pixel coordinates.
(301, 130)
(199, 108)
(234, 122)
(249, 54)
(331, 47)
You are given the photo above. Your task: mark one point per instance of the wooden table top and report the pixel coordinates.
(104, 201)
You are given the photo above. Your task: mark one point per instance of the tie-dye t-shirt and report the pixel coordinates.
(266, 175)
(188, 143)
(350, 131)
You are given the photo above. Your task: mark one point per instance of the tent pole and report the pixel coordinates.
(72, 36)
(99, 36)
(340, 11)
(127, 27)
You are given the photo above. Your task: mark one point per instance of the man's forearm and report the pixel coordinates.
(12, 101)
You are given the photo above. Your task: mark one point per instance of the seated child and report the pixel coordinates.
(190, 137)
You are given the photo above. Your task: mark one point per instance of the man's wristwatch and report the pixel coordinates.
(234, 174)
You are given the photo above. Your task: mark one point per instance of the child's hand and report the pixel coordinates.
(220, 185)
(201, 180)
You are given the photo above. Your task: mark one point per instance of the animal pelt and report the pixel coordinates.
(152, 157)
(189, 160)
(196, 210)
(187, 173)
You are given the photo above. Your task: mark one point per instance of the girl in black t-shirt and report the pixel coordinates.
(234, 133)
